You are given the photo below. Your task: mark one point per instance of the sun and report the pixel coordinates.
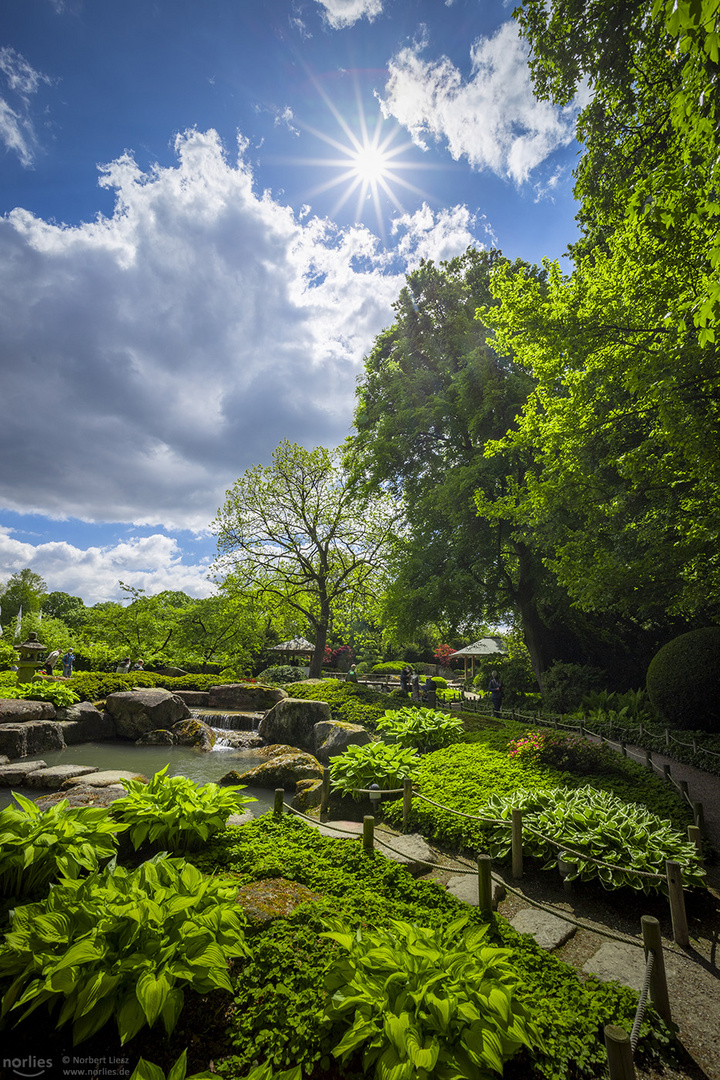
(371, 165)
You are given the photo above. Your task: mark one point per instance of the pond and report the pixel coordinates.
(199, 765)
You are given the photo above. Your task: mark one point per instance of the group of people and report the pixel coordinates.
(68, 661)
(127, 665)
(410, 684)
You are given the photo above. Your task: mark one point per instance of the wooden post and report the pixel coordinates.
(641, 730)
(683, 785)
(648, 760)
(407, 801)
(619, 1053)
(666, 771)
(555, 722)
(368, 834)
(699, 814)
(658, 981)
(325, 793)
(667, 736)
(484, 863)
(517, 850)
(677, 903)
(582, 727)
(694, 746)
(695, 838)
(623, 749)
(279, 800)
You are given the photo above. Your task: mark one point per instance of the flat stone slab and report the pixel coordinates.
(548, 931)
(82, 794)
(105, 778)
(617, 962)
(466, 887)
(15, 773)
(14, 710)
(57, 775)
(410, 850)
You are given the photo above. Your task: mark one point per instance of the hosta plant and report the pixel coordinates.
(147, 1070)
(436, 1004)
(594, 825)
(175, 813)
(425, 729)
(375, 763)
(58, 694)
(37, 846)
(121, 944)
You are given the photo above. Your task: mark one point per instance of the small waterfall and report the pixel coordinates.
(229, 721)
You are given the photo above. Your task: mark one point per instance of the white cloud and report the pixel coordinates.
(151, 563)
(150, 357)
(492, 118)
(342, 13)
(437, 237)
(17, 130)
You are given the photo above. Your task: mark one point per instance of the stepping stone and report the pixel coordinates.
(55, 776)
(106, 777)
(549, 931)
(14, 775)
(239, 819)
(337, 830)
(411, 850)
(615, 961)
(466, 887)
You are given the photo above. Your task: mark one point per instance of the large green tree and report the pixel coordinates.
(298, 532)
(621, 431)
(433, 394)
(24, 589)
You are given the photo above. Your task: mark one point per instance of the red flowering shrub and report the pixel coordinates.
(570, 753)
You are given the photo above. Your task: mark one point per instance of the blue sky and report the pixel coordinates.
(207, 208)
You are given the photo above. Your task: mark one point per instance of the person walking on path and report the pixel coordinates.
(123, 667)
(405, 680)
(67, 662)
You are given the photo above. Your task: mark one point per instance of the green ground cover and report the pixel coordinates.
(280, 1012)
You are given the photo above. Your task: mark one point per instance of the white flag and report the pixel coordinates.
(18, 624)
(0, 620)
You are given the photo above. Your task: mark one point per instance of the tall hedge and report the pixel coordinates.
(683, 680)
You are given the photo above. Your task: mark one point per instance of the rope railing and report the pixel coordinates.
(640, 1011)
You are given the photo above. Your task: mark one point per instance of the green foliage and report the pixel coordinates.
(279, 997)
(565, 685)
(389, 667)
(146, 1070)
(569, 753)
(281, 674)
(37, 846)
(683, 680)
(595, 825)
(59, 694)
(350, 703)
(374, 763)
(448, 695)
(425, 1002)
(121, 944)
(96, 685)
(24, 589)
(425, 729)
(175, 813)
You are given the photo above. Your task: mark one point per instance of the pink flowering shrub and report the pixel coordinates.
(570, 753)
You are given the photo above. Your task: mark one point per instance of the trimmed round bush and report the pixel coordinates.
(281, 673)
(683, 680)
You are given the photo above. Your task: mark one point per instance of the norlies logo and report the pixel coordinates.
(27, 1066)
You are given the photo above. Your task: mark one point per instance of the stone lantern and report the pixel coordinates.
(29, 663)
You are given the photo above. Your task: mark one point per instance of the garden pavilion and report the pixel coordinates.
(298, 646)
(485, 647)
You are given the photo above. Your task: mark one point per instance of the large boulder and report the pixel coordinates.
(332, 737)
(272, 898)
(85, 723)
(137, 711)
(284, 768)
(30, 737)
(308, 795)
(16, 710)
(185, 733)
(82, 794)
(253, 697)
(197, 698)
(293, 720)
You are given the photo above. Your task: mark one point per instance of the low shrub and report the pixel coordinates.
(37, 847)
(121, 944)
(424, 729)
(418, 1001)
(390, 667)
(594, 825)
(280, 674)
(375, 763)
(683, 680)
(175, 813)
(96, 685)
(571, 753)
(350, 703)
(58, 694)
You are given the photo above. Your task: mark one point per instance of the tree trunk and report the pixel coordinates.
(321, 633)
(538, 637)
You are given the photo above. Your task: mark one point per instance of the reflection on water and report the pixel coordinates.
(198, 765)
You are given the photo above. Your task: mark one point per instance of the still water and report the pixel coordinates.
(199, 765)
